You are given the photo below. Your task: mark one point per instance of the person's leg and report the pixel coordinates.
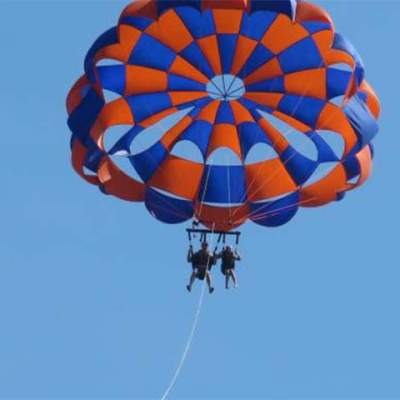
(233, 276)
(209, 283)
(191, 281)
(226, 280)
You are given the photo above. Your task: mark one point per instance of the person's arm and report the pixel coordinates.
(212, 258)
(237, 256)
(190, 255)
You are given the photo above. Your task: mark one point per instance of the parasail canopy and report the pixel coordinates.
(232, 75)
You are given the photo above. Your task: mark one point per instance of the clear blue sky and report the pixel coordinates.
(92, 298)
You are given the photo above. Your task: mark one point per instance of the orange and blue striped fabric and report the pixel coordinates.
(234, 66)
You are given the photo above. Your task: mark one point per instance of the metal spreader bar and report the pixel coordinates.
(205, 232)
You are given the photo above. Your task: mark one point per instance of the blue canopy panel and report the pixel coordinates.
(223, 184)
(301, 56)
(287, 7)
(148, 161)
(113, 78)
(276, 85)
(194, 55)
(325, 152)
(260, 56)
(225, 114)
(103, 190)
(372, 149)
(341, 43)
(141, 23)
(352, 167)
(198, 24)
(94, 156)
(362, 121)
(168, 209)
(254, 26)
(316, 26)
(144, 106)
(340, 196)
(195, 105)
(81, 121)
(106, 39)
(276, 212)
(300, 168)
(253, 108)
(199, 133)
(303, 108)
(261, 107)
(363, 96)
(124, 143)
(84, 116)
(151, 53)
(178, 83)
(227, 46)
(165, 5)
(251, 134)
(337, 82)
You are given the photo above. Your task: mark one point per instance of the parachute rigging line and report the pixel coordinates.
(196, 316)
(191, 334)
(287, 132)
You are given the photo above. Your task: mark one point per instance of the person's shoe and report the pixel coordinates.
(211, 290)
(226, 287)
(189, 289)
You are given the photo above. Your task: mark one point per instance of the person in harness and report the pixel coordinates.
(201, 261)
(228, 257)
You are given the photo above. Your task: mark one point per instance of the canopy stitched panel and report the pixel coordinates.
(243, 73)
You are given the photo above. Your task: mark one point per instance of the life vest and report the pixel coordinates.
(228, 260)
(203, 259)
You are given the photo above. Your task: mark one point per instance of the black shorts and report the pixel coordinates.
(201, 273)
(225, 270)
